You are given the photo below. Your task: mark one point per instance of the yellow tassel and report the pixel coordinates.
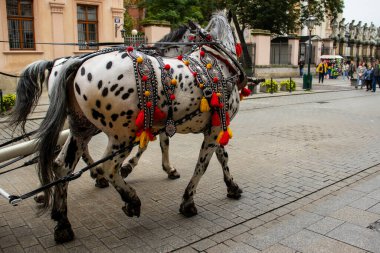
(219, 136)
(229, 132)
(241, 97)
(143, 140)
(204, 105)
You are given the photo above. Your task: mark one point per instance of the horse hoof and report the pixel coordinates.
(234, 192)
(132, 209)
(63, 233)
(40, 199)
(125, 170)
(173, 174)
(101, 183)
(188, 210)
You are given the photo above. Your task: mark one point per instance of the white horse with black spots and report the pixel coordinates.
(121, 93)
(44, 73)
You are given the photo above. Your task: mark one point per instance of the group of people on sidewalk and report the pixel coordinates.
(369, 75)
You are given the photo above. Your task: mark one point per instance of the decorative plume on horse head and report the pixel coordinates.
(130, 96)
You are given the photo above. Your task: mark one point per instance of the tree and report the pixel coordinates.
(176, 12)
(321, 9)
(279, 17)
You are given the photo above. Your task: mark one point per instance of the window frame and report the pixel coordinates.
(87, 23)
(20, 18)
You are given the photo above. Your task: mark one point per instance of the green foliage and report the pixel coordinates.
(178, 12)
(289, 85)
(320, 9)
(128, 23)
(8, 102)
(271, 87)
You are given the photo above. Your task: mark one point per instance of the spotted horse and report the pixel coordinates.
(44, 73)
(155, 92)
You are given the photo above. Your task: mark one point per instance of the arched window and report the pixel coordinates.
(20, 24)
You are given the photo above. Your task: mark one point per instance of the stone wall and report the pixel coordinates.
(285, 71)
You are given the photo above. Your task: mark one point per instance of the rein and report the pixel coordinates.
(15, 199)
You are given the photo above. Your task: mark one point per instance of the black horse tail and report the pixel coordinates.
(29, 90)
(52, 124)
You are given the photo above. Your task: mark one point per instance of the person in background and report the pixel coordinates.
(368, 76)
(321, 70)
(301, 64)
(360, 73)
(376, 75)
(351, 70)
(345, 69)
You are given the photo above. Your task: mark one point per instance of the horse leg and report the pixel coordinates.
(164, 144)
(233, 190)
(166, 166)
(63, 165)
(209, 145)
(100, 181)
(111, 173)
(125, 170)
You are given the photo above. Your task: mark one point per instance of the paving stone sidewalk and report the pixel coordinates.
(297, 196)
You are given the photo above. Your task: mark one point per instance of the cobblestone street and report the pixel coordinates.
(308, 164)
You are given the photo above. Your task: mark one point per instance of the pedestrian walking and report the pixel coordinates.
(345, 70)
(301, 64)
(321, 70)
(368, 76)
(376, 76)
(360, 74)
(351, 70)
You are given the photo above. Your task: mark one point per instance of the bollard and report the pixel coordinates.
(271, 85)
(290, 85)
(1, 100)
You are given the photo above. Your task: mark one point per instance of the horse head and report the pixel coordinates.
(220, 30)
(179, 41)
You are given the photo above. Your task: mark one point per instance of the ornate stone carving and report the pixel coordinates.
(352, 30)
(372, 33)
(365, 33)
(335, 28)
(56, 7)
(359, 31)
(342, 28)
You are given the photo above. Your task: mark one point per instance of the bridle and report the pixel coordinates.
(220, 48)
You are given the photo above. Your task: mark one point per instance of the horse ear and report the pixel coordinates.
(192, 25)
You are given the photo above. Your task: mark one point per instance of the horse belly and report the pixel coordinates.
(105, 89)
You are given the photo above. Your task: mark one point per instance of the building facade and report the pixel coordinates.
(32, 30)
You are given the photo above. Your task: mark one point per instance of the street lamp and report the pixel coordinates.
(310, 22)
(122, 31)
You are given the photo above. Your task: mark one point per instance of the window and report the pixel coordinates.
(20, 24)
(87, 25)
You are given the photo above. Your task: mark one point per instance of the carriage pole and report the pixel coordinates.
(27, 148)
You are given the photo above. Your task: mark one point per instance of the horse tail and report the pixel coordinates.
(29, 90)
(52, 124)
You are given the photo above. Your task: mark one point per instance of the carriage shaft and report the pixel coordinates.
(26, 148)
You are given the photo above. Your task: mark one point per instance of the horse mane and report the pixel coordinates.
(220, 28)
(173, 36)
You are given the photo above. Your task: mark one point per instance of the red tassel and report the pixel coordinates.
(140, 119)
(245, 92)
(151, 137)
(158, 114)
(225, 138)
(214, 100)
(239, 49)
(215, 119)
(227, 119)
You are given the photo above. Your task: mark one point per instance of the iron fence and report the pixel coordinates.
(135, 40)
